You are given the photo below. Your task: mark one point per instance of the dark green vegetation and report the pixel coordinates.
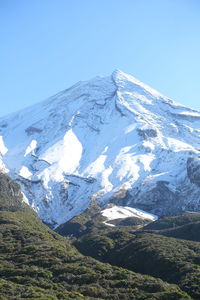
(184, 227)
(37, 263)
(89, 221)
(150, 251)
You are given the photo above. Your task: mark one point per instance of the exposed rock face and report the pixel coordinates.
(147, 133)
(160, 199)
(9, 188)
(10, 194)
(110, 139)
(193, 170)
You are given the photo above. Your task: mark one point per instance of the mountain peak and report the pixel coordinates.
(123, 79)
(120, 75)
(117, 72)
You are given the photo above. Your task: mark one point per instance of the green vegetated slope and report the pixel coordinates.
(89, 221)
(184, 227)
(37, 263)
(147, 251)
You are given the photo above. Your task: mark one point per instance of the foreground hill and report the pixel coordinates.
(37, 263)
(111, 139)
(147, 249)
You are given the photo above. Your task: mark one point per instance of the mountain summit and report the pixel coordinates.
(109, 139)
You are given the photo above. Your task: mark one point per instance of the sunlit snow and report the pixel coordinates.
(24, 172)
(66, 152)
(31, 147)
(121, 212)
(3, 148)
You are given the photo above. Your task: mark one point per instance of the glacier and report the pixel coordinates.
(111, 139)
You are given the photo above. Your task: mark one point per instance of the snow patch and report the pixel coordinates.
(190, 113)
(3, 148)
(177, 145)
(130, 128)
(149, 145)
(31, 147)
(66, 153)
(122, 212)
(24, 198)
(24, 172)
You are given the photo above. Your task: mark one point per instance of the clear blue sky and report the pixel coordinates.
(48, 45)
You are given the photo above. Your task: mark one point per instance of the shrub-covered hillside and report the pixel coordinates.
(37, 263)
(173, 260)
(183, 227)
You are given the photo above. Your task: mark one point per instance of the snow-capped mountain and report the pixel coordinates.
(109, 139)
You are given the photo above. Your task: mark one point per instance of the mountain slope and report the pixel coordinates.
(110, 139)
(37, 263)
